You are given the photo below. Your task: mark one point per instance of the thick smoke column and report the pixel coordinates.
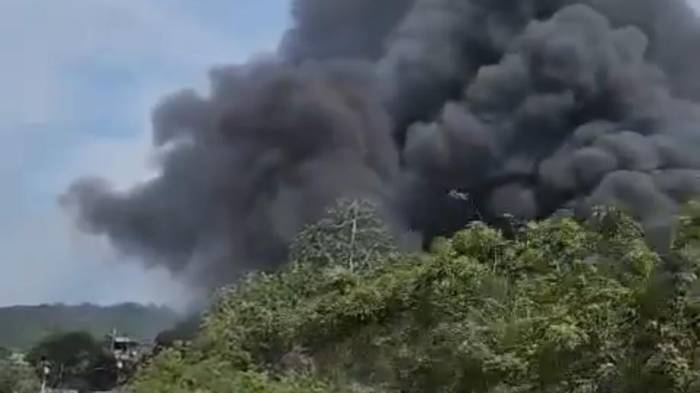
(528, 106)
(341, 29)
(245, 168)
(572, 114)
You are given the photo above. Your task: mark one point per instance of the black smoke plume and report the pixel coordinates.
(524, 106)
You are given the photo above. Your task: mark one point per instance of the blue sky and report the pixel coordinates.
(77, 81)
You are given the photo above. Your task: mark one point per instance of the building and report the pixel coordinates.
(126, 351)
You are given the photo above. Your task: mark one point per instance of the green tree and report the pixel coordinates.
(560, 306)
(351, 235)
(172, 372)
(76, 360)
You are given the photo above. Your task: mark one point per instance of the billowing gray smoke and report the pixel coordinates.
(527, 106)
(247, 167)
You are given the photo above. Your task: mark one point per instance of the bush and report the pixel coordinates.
(17, 378)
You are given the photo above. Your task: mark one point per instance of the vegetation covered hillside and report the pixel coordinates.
(557, 306)
(24, 326)
(17, 378)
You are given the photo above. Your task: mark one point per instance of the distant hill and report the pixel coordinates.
(23, 326)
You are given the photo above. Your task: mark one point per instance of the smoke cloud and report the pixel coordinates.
(244, 169)
(526, 106)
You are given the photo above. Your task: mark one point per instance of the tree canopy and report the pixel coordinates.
(560, 305)
(76, 360)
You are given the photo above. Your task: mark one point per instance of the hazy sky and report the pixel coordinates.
(77, 81)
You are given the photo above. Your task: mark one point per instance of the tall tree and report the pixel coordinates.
(352, 234)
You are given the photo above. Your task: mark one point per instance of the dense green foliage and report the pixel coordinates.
(23, 326)
(76, 360)
(17, 378)
(562, 306)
